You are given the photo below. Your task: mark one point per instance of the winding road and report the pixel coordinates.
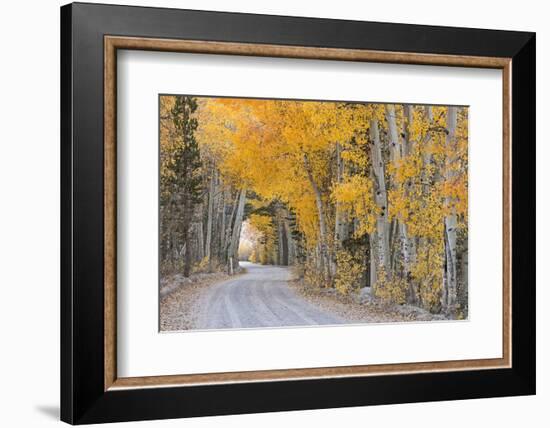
(260, 297)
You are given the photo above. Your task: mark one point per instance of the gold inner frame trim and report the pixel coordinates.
(113, 43)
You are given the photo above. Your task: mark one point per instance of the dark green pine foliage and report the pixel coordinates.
(184, 187)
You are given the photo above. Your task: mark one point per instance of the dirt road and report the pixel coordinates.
(259, 298)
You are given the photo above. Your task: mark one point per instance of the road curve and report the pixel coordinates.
(260, 297)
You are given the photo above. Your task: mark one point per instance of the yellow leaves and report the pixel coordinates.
(406, 168)
(354, 190)
(428, 271)
(372, 111)
(392, 289)
(419, 126)
(264, 248)
(398, 205)
(426, 215)
(354, 197)
(348, 272)
(262, 223)
(310, 127)
(456, 193)
(358, 157)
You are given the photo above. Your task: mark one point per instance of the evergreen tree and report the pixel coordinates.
(181, 187)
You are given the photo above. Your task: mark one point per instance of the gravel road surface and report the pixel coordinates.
(259, 298)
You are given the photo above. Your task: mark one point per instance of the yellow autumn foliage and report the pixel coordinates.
(348, 273)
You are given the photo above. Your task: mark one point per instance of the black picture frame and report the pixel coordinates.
(83, 398)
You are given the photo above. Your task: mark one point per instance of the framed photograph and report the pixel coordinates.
(266, 213)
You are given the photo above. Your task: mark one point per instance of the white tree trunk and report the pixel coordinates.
(223, 233)
(200, 240)
(407, 242)
(324, 254)
(340, 223)
(395, 145)
(290, 242)
(280, 242)
(229, 226)
(381, 199)
(451, 219)
(236, 231)
(408, 119)
(426, 154)
(210, 215)
(373, 258)
(399, 149)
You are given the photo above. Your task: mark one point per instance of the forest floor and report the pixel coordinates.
(269, 296)
(361, 307)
